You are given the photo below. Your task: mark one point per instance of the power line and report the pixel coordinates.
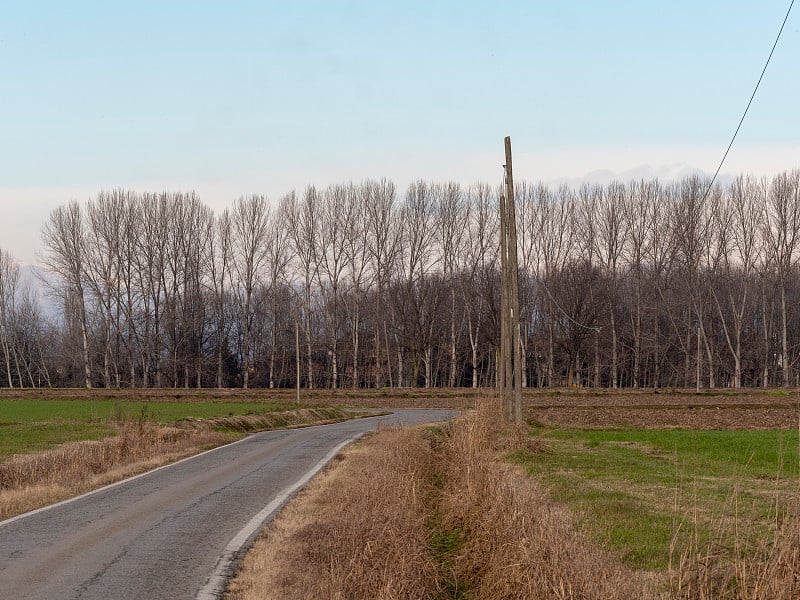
(753, 95)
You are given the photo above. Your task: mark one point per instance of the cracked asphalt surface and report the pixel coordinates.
(160, 535)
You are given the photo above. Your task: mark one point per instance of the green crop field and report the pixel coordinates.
(28, 425)
(638, 491)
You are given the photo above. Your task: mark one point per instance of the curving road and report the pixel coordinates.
(176, 532)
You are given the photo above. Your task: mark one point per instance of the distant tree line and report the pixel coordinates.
(630, 284)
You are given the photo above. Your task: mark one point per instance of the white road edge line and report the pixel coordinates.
(134, 477)
(218, 581)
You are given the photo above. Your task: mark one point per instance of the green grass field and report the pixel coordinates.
(636, 491)
(39, 424)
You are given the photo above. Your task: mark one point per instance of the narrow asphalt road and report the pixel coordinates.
(168, 533)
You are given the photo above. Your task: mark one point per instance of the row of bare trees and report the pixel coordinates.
(628, 284)
(629, 277)
(24, 332)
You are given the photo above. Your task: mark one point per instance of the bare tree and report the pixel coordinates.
(482, 257)
(250, 218)
(735, 221)
(555, 237)
(302, 215)
(219, 257)
(9, 285)
(150, 256)
(693, 226)
(196, 250)
(131, 299)
(64, 239)
(382, 247)
(660, 248)
(781, 233)
(643, 196)
(610, 242)
(356, 248)
(452, 217)
(105, 230)
(418, 301)
(29, 339)
(277, 261)
(331, 259)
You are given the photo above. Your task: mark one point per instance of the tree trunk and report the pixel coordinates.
(473, 343)
(399, 366)
(246, 342)
(335, 366)
(6, 352)
(597, 358)
(273, 342)
(637, 336)
(427, 367)
(356, 348)
(524, 354)
(85, 338)
(712, 381)
(550, 348)
(765, 377)
(310, 375)
(388, 355)
(451, 382)
(614, 366)
(220, 326)
(698, 382)
(784, 339)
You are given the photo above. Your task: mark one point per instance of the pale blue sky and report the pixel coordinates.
(231, 98)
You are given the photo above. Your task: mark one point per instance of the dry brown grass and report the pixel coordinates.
(274, 420)
(770, 573)
(760, 566)
(517, 544)
(357, 531)
(30, 481)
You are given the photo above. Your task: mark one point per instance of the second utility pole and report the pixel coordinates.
(509, 371)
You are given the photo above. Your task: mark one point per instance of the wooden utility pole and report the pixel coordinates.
(297, 356)
(503, 364)
(509, 369)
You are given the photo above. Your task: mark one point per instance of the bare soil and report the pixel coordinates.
(712, 409)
